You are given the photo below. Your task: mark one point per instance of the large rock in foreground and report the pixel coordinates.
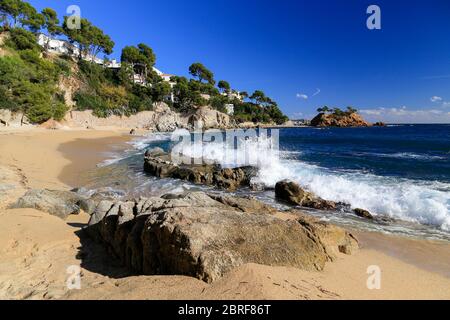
(160, 165)
(206, 236)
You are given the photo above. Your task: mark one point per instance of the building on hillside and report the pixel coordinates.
(63, 47)
(230, 109)
(57, 46)
(233, 95)
(113, 64)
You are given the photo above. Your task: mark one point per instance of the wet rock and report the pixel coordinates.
(363, 213)
(160, 165)
(292, 193)
(57, 203)
(206, 236)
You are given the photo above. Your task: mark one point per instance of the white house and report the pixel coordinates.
(113, 64)
(232, 95)
(64, 47)
(57, 46)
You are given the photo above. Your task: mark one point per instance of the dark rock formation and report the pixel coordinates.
(363, 213)
(158, 164)
(379, 124)
(292, 193)
(206, 236)
(57, 203)
(333, 120)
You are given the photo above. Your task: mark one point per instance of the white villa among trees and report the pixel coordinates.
(62, 47)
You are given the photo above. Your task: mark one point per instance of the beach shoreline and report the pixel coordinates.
(412, 269)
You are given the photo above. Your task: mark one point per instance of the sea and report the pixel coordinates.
(398, 172)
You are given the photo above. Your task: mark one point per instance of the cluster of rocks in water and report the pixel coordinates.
(158, 163)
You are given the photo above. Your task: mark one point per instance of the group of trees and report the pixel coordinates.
(105, 91)
(90, 39)
(201, 90)
(337, 111)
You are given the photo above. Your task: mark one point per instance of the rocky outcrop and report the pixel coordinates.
(208, 118)
(333, 120)
(159, 164)
(162, 119)
(363, 213)
(292, 193)
(57, 203)
(13, 119)
(379, 124)
(206, 236)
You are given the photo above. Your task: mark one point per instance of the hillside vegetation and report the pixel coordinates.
(29, 74)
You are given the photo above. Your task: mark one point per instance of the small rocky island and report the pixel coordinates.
(338, 118)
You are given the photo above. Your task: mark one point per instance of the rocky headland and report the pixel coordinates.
(339, 120)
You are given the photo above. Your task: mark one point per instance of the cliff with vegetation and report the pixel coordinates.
(339, 118)
(42, 85)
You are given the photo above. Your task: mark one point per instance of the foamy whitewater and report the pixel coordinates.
(406, 178)
(404, 199)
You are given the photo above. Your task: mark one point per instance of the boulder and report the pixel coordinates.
(13, 119)
(209, 119)
(292, 193)
(363, 213)
(159, 164)
(207, 236)
(51, 125)
(57, 203)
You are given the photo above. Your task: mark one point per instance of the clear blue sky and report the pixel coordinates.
(289, 49)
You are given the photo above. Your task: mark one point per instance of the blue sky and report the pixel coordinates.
(321, 49)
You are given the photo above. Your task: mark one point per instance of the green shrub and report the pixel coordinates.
(22, 39)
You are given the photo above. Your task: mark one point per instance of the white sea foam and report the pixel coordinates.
(421, 202)
(137, 144)
(142, 142)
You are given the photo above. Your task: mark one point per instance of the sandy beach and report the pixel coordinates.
(36, 249)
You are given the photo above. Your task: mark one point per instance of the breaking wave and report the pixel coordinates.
(416, 201)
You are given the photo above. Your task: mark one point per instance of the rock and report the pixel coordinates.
(205, 237)
(155, 152)
(247, 204)
(292, 193)
(51, 125)
(379, 124)
(333, 120)
(132, 132)
(335, 239)
(209, 119)
(363, 213)
(159, 164)
(13, 119)
(162, 118)
(57, 203)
